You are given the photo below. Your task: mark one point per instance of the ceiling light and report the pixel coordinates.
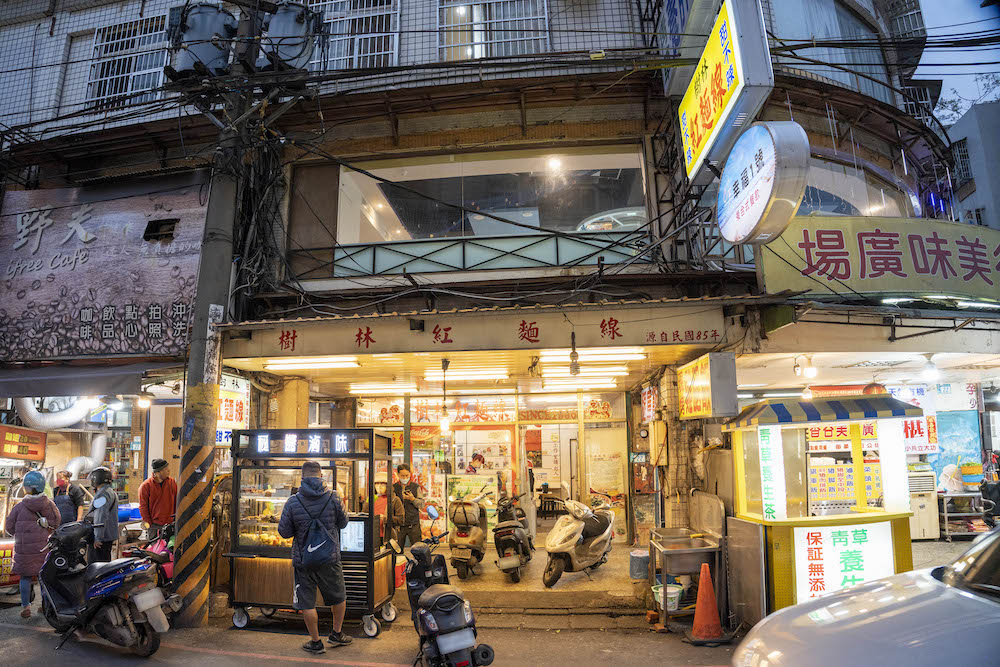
(555, 163)
(313, 366)
(608, 371)
(582, 384)
(782, 394)
(930, 372)
(593, 351)
(383, 388)
(744, 396)
(90, 401)
(471, 375)
(810, 371)
(445, 423)
(145, 400)
(556, 358)
(750, 386)
(807, 394)
(487, 391)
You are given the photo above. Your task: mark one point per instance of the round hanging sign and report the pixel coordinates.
(762, 182)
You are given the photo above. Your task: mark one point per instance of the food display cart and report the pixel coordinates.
(266, 473)
(822, 498)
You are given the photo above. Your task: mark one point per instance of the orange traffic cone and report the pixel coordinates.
(707, 628)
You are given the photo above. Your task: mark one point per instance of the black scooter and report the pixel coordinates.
(512, 538)
(441, 615)
(119, 601)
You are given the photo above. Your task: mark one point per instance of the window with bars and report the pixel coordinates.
(492, 29)
(963, 167)
(127, 62)
(362, 34)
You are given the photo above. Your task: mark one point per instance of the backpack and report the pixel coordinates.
(318, 547)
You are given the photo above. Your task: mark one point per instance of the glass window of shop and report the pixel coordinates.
(489, 433)
(531, 192)
(833, 188)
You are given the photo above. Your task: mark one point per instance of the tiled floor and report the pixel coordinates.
(931, 553)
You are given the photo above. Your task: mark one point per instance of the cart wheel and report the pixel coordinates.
(241, 618)
(371, 626)
(389, 612)
(268, 611)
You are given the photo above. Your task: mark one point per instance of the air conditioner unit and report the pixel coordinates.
(924, 523)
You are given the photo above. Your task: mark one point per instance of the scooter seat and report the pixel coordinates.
(96, 570)
(435, 593)
(508, 524)
(595, 525)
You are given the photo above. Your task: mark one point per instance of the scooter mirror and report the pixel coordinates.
(565, 486)
(394, 545)
(432, 512)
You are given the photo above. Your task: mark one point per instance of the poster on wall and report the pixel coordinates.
(958, 439)
(643, 511)
(100, 270)
(483, 450)
(606, 483)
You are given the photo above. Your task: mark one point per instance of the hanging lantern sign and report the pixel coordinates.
(763, 182)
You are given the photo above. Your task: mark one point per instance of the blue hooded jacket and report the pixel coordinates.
(295, 520)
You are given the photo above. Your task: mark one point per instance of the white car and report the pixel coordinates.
(943, 617)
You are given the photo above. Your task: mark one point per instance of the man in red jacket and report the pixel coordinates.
(158, 498)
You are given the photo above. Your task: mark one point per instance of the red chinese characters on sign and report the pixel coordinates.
(528, 331)
(827, 255)
(442, 334)
(364, 337)
(814, 554)
(609, 328)
(286, 340)
(883, 253)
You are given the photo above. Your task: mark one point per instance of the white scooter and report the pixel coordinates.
(581, 539)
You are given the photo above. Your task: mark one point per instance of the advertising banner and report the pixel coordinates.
(707, 386)
(829, 558)
(838, 255)
(100, 270)
(22, 444)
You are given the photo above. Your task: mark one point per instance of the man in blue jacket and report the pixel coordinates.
(315, 501)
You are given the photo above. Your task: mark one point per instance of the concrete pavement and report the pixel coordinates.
(272, 641)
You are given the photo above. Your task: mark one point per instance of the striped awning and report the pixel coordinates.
(834, 409)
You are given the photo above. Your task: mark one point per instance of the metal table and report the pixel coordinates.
(944, 514)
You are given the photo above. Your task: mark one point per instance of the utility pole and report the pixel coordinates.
(197, 470)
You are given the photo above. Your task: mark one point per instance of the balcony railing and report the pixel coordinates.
(474, 253)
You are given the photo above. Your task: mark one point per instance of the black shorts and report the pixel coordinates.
(329, 579)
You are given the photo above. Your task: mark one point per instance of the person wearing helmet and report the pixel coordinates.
(30, 522)
(105, 511)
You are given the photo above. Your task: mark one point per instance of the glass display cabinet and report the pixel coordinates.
(267, 471)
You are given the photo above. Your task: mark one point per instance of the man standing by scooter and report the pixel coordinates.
(105, 509)
(409, 491)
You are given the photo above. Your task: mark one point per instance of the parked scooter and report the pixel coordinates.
(512, 537)
(441, 615)
(160, 549)
(119, 601)
(581, 539)
(468, 540)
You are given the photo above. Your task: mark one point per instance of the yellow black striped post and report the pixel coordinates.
(194, 504)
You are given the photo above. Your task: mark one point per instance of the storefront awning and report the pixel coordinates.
(792, 411)
(75, 380)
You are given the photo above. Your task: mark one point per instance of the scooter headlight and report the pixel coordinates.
(428, 620)
(468, 612)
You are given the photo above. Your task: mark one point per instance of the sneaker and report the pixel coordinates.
(339, 639)
(315, 647)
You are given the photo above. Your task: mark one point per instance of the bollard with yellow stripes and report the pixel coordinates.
(194, 504)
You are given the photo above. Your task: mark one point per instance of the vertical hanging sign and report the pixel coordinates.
(772, 473)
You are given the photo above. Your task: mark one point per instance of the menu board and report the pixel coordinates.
(836, 482)
(22, 444)
(352, 537)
